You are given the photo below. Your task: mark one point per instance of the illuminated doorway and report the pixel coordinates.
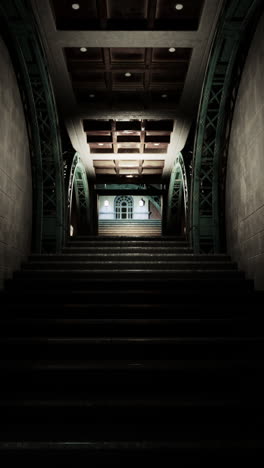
(123, 207)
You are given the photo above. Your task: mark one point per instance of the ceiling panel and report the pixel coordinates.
(136, 136)
(136, 167)
(127, 14)
(142, 77)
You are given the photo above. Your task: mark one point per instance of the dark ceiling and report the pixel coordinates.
(127, 76)
(128, 15)
(146, 77)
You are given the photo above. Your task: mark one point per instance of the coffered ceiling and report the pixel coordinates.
(143, 78)
(128, 136)
(162, 15)
(127, 76)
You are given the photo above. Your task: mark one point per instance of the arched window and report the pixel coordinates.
(123, 207)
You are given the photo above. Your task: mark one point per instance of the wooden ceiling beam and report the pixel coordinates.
(102, 12)
(108, 73)
(114, 136)
(124, 66)
(152, 8)
(142, 136)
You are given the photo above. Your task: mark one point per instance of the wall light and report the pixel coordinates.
(106, 203)
(172, 49)
(141, 202)
(179, 6)
(83, 49)
(75, 6)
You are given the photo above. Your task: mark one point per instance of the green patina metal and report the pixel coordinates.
(178, 189)
(216, 106)
(79, 183)
(40, 110)
(156, 201)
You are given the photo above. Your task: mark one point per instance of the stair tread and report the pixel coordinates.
(126, 345)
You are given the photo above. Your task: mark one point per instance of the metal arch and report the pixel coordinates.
(79, 183)
(178, 188)
(155, 199)
(43, 129)
(213, 125)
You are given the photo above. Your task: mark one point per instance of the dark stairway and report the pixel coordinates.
(121, 352)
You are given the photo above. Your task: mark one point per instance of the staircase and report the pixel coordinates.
(126, 352)
(129, 227)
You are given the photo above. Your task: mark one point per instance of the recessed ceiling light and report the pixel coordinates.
(156, 144)
(75, 6)
(83, 49)
(179, 6)
(164, 96)
(128, 74)
(101, 144)
(172, 49)
(91, 96)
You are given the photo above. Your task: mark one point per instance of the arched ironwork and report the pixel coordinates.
(79, 184)
(177, 195)
(123, 207)
(27, 53)
(214, 122)
(155, 200)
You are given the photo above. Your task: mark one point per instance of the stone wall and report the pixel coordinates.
(15, 173)
(245, 171)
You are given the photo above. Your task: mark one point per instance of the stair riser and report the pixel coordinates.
(146, 263)
(130, 254)
(133, 328)
(131, 273)
(182, 350)
(104, 242)
(134, 380)
(199, 419)
(65, 286)
(79, 250)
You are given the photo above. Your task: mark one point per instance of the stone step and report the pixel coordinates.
(133, 284)
(119, 255)
(127, 415)
(130, 271)
(126, 453)
(123, 264)
(128, 221)
(158, 347)
(21, 324)
(80, 249)
(101, 239)
(120, 453)
(136, 232)
(74, 308)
